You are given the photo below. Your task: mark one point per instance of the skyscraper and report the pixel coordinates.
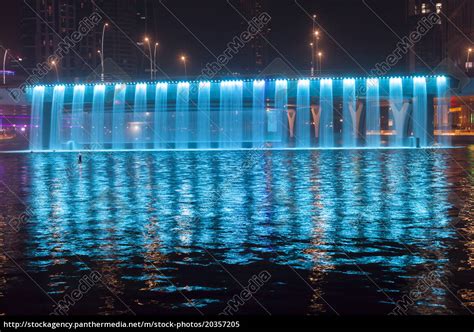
(47, 25)
(449, 39)
(255, 55)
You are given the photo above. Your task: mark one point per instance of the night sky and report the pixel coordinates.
(350, 27)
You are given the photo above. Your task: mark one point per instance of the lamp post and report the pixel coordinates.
(147, 41)
(183, 58)
(316, 36)
(4, 66)
(312, 45)
(55, 65)
(320, 56)
(468, 61)
(154, 59)
(102, 75)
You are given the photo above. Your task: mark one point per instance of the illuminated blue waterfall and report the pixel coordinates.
(303, 115)
(57, 110)
(231, 115)
(350, 123)
(326, 125)
(372, 116)
(442, 110)
(281, 113)
(118, 118)
(204, 116)
(258, 114)
(160, 127)
(420, 114)
(140, 126)
(37, 116)
(182, 116)
(97, 118)
(399, 109)
(77, 117)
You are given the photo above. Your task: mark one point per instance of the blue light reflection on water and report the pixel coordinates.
(149, 223)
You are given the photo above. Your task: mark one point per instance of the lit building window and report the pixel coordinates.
(439, 6)
(424, 8)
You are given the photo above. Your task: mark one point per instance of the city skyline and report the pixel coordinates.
(286, 38)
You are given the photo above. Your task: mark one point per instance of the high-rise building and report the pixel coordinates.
(47, 25)
(256, 54)
(450, 38)
(120, 42)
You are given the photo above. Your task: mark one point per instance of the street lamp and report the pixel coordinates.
(183, 58)
(468, 61)
(4, 66)
(312, 45)
(55, 65)
(102, 75)
(147, 41)
(316, 37)
(154, 59)
(320, 55)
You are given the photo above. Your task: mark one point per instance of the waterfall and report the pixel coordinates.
(420, 108)
(204, 116)
(258, 114)
(77, 117)
(231, 115)
(182, 116)
(372, 116)
(97, 118)
(118, 118)
(252, 113)
(326, 129)
(139, 127)
(36, 127)
(399, 109)
(57, 112)
(281, 106)
(303, 116)
(350, 124)
(442, 110)
(160, 126)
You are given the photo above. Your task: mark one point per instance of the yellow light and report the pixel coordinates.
(470, 50)
(320, 54)
(316, 33)
(147, 40)
(183, 58)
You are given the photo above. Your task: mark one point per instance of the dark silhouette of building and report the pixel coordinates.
(255, 55)
(449, 39)
(49, 24)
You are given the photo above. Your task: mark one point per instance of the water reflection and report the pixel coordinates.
(166, 230)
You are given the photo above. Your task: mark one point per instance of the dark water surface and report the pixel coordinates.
(183, 232)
